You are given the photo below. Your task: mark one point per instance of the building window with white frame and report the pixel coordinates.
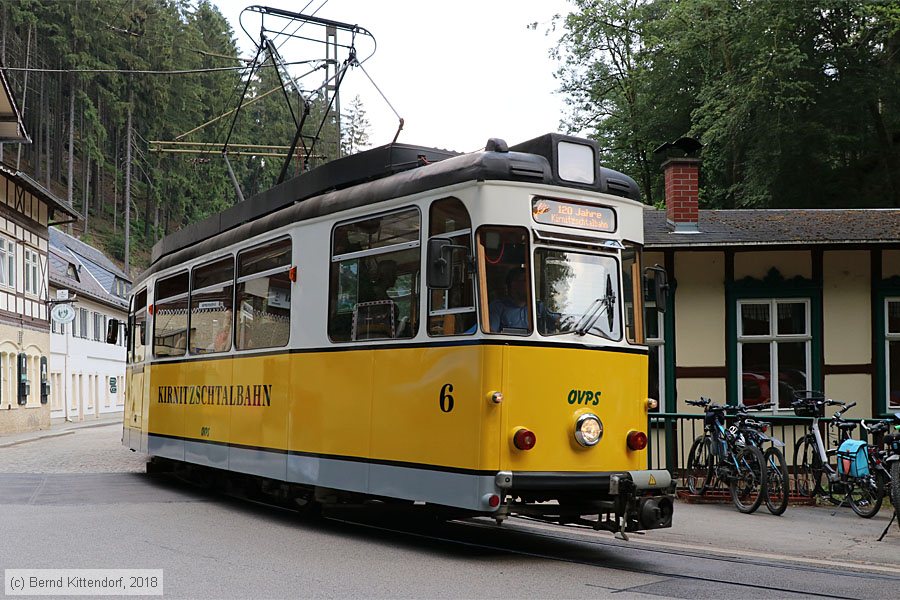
(7, 262)
(892, 351)
(32, 268)
(774, 348)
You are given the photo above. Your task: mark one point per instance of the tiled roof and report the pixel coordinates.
(750, 227)
(96, 273)
(61, 239)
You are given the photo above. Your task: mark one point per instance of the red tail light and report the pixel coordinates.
(524, 439)
(494, 501)
(764, 428)
(637, 440)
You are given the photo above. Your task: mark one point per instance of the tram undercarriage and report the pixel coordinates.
(620, 503)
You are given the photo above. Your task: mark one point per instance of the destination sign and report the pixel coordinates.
(570, 214)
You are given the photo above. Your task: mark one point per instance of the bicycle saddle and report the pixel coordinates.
(847, 426)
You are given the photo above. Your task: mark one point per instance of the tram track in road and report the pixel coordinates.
(681, 572)
(686, 573)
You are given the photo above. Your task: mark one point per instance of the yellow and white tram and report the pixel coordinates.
(410, 324)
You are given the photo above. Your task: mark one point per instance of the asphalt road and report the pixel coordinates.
(213, 546)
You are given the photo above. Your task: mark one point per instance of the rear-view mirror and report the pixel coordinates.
(112, 331)
(660, 285)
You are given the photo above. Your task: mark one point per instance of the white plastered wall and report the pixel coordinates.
(693, 389)
(847, 335)
(699, 323)
(851, 388)
(700, 309)
(846, 301)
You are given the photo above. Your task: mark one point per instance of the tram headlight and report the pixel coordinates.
(588, 429)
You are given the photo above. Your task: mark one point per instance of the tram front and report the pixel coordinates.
(562, 300)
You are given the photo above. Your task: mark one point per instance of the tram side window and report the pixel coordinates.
(452, 312)
(631, 294)
(170, 316)
(263, 298)
(375, 266)
(211, 307)
(506, 286)
(138, 328)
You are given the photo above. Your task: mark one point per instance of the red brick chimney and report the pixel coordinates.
(682, 191)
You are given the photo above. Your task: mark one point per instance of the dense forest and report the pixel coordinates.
(797, 103)
(90, 75)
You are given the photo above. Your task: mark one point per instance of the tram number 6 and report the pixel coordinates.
(446, 398)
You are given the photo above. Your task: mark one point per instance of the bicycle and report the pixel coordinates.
(892, 445)
(778, 486)
(859, 483)
(724, 455)
(886, 456)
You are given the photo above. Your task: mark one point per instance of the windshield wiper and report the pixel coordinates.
(596, 310)
(590, 316)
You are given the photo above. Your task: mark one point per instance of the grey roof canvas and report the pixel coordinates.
(777, 227)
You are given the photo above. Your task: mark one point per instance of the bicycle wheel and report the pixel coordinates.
(867, 494)
(748, 484)
(778, 488)
(699, 466)
(807, 468)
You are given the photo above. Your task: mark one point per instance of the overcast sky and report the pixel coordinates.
(457, 72)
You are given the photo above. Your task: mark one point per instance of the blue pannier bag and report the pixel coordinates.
(853, 458)
(718, 445)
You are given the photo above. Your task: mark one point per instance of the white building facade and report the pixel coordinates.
(87, 374)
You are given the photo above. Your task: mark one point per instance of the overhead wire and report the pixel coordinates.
(151, 71)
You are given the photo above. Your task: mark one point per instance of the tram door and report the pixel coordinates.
(136, 392)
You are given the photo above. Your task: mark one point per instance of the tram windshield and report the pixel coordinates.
(577, 293)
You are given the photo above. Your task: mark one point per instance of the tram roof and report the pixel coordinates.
(376, 175)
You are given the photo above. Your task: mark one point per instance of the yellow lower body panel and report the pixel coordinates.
(418, 406)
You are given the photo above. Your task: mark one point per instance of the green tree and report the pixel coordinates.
(796, 102)
(355, 125)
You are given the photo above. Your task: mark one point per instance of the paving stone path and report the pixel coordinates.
(88, 450)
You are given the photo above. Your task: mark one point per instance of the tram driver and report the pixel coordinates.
(509, 313)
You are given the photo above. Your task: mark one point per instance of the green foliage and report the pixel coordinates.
(797, 103)
(115, 246)
(355, 134)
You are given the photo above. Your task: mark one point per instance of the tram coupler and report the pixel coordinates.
(644, 500)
